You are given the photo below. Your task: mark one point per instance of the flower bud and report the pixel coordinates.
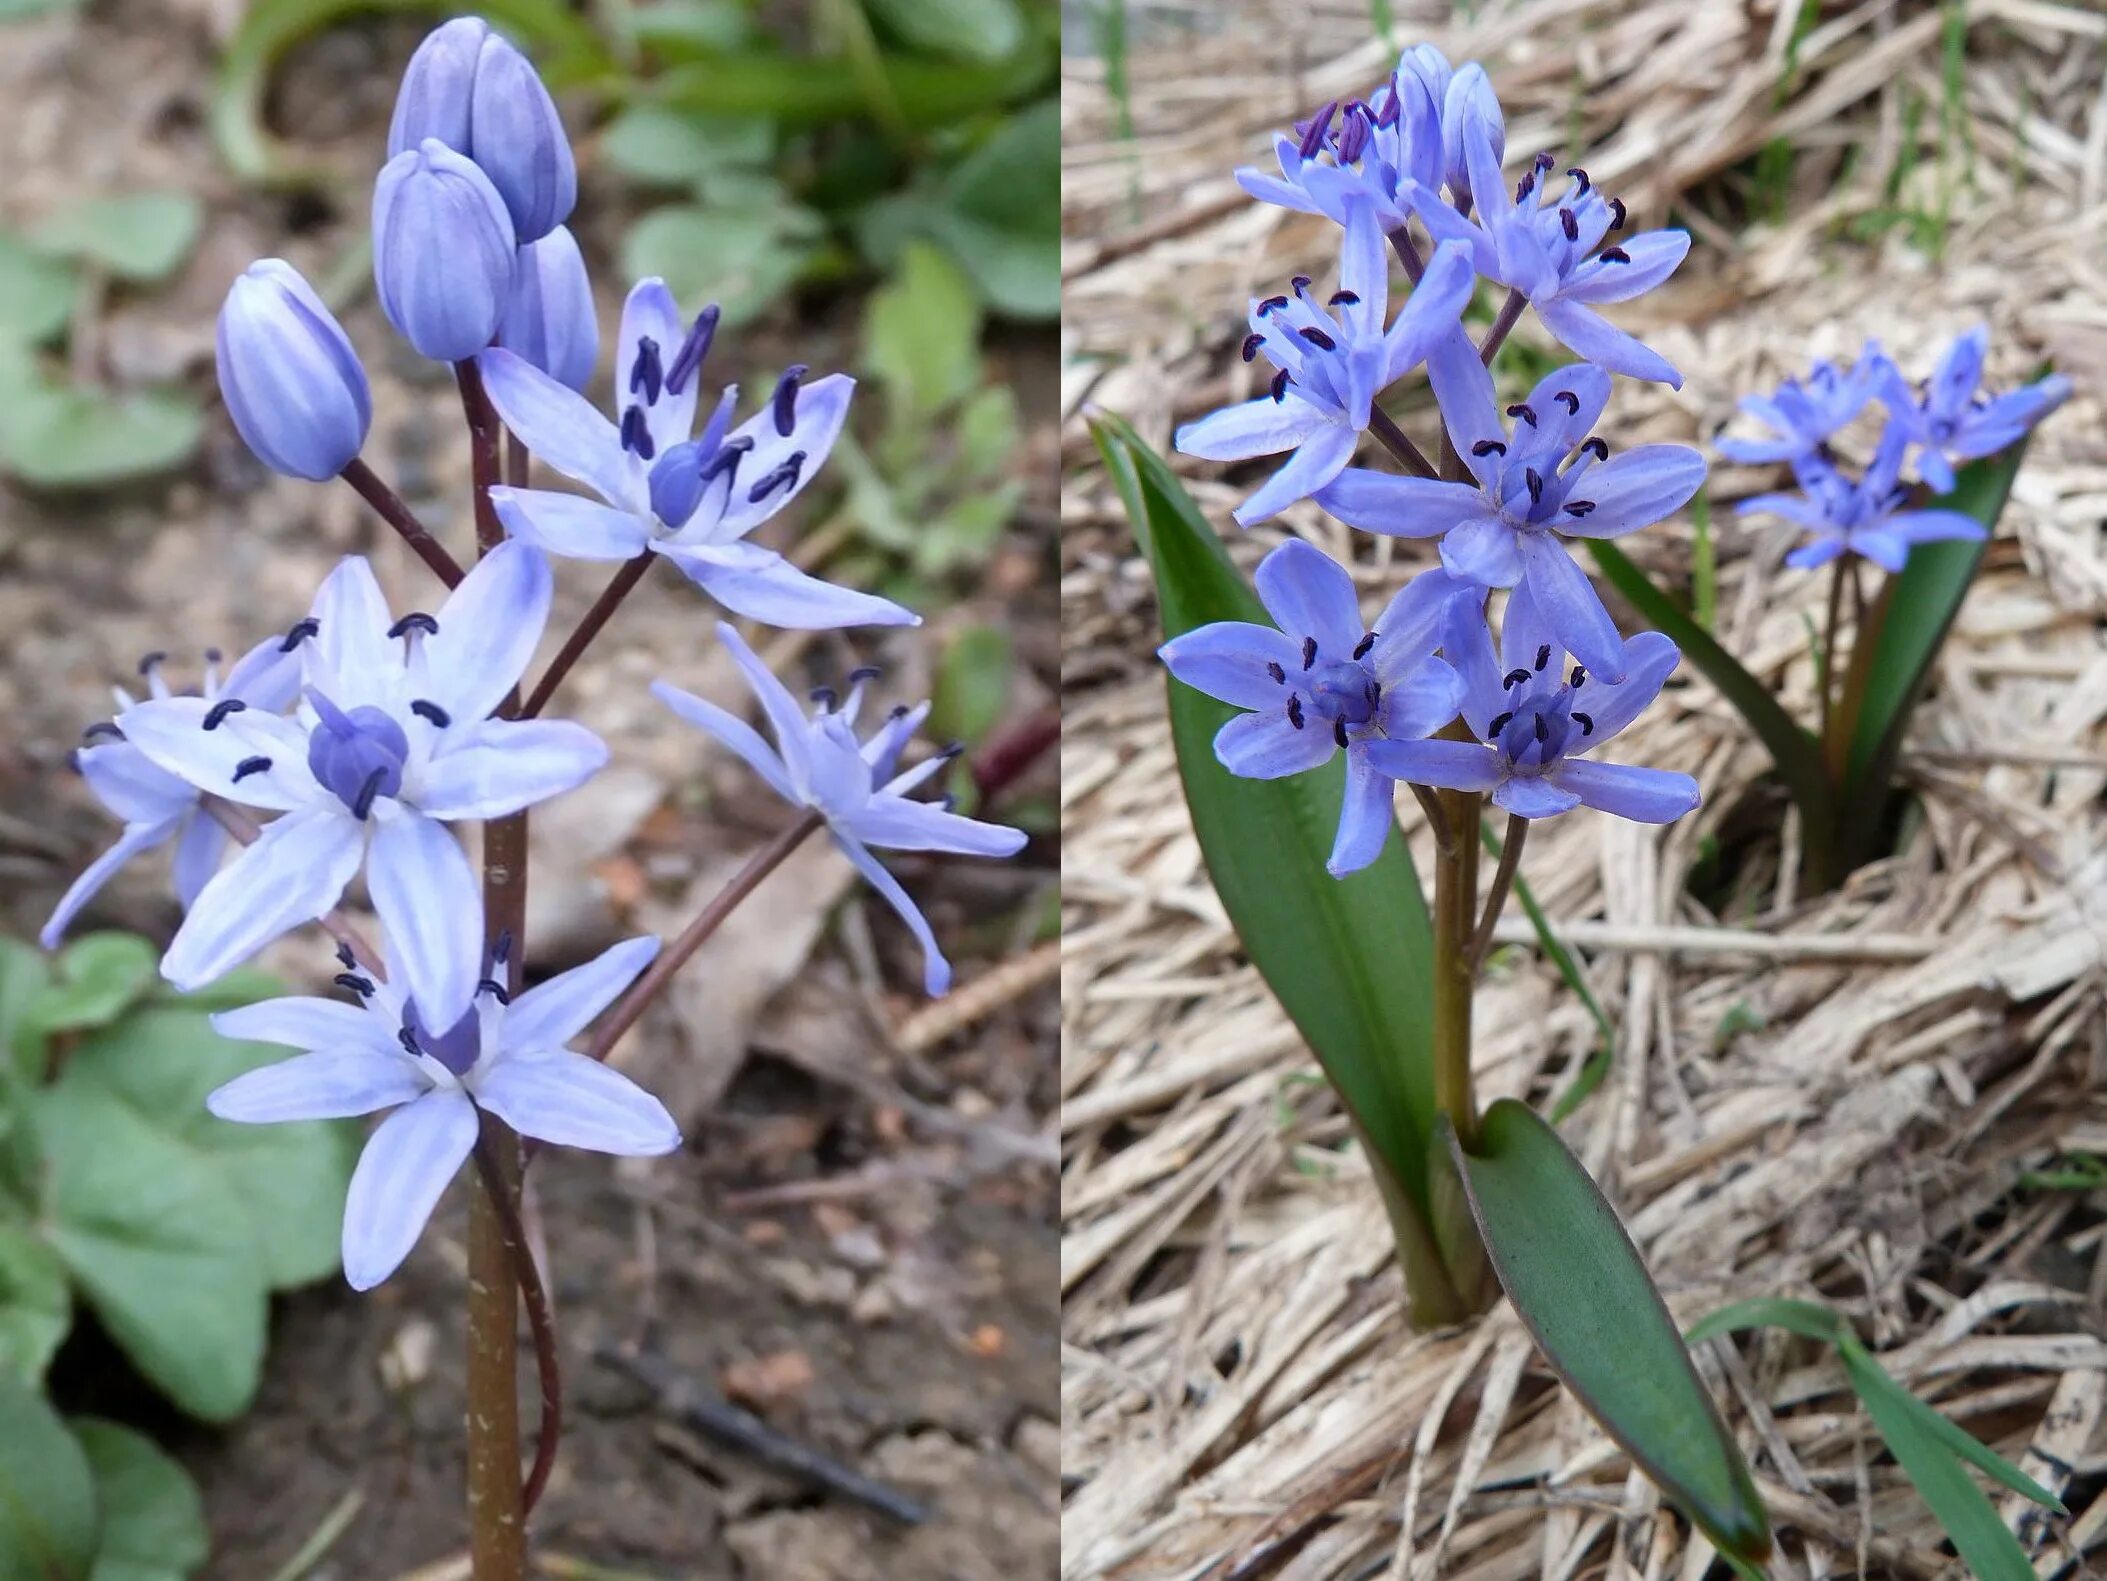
(443, 251)
(1469, 96)
(473, 91)
(292, 383)
(550, 320)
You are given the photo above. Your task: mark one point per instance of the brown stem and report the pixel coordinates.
(1832, 628)
(1006, 757)
(670, 960)
(517, 456)
(388, 504)
(1399, 443)
(484, 434)
(540, 1323)
(497, 1537)
(1437, 817)
(1496, 896)
(1407, 252)
(617, 589)
(1510, 315)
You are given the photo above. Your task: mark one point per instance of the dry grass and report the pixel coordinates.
(1834, 1098)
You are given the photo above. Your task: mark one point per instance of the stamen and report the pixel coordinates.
(1587, 725)
(495, 989)
(1600, 447)
(248, 766)
(102, 727)
(646, 373)
(1280, 386)
(1543, 731)
(864, 672)
(1295, 710)
(1498, 724)
(1361, 648)
(1317, 337)
(1488, 447)
(501, 951)
(1568, 400)
(824, 696)
(1251, 344)
(149, 660)
(1300, 283)
(687, 362)
(1374, 694)
(1513, 678)
(1524, 411)
(1524, 187)
(361, 986)
(1614, 255)
(1309, 651)
(1535, 480)
(899, 711)
(782, 476)
(950, 750)
(1580, 676)
(212, 655)
(425, 708)
(1353, 133)
(217, 713)
(1580, 178)
(1579, 507)
(727, 459)
(1543, 657)
(1545, 164)
(415, 620)
(1339, 731)
(362, 804)
(1280, 676)
(1570, 224)
(1318, 128)
(344, 954)
(636, 433)
(408, 1040)
(1272, 304)
(1616, 214)
(784, 405)
(1344, 298)
(300, 630)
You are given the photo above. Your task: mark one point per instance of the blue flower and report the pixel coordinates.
(1406, 131)
(690, 500)
(1547, 480)
(292, 383)
(1869, 517)
(1330, 366)
(1805, 413)
(436, 1063)
(154, 805)
(1318, 681)
(1548, 250)
(444, 251)
(551, 321)
(393, 733)
(1535, 723)
(819, 764)
(1954, 420)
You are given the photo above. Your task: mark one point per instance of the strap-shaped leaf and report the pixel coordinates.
(1807, 1319)
(1351, 960)
(1577, 1281)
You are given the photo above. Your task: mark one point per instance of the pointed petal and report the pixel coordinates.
(1568, 403)
(731, 731)
(1421, 701)
(936, 971)
(299, 1021)
(1529, 796)
(171, 732)
(1264, 427)
(1635, 489)
(550, 1014)
(1463, 389)
(1812, 556)
(561, 427)
(571, 1101)
(198, 851)
(568, 525)
(331, 1085)
(1654, 255)
(1397, 506)
(431, 909)
(817, 417)
(1309, 594)
(1364, 271)
(1267, 746)
(1466, 645)
(488, 628)
(293, 873)
(1649, 659)
(1365, 817)
(266, 677)
(761, 585)
(1935, 526)
(1443, 765)
(1486, 551)
(1602, 343)
(651, 311)
(793, 731)
(1414, 623)
(406, 1167)
(1434, 311)
(1227, 660)
(498, 766)
(1642, 795)
(353, 640)
(903, 825)
(1527, 635)
(1572, 606)
(1321, 457)
(137, 837)
(131, 785)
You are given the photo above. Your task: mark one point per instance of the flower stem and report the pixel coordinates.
(540, 1323)
(484, 436)
(1832, 629)
(1510, 315)
(1407, 252)
(1496, 896)
(388, 504)
(617, 589)
(1400, 445)
(1455, 918)
(670, 960)
(497, 1537)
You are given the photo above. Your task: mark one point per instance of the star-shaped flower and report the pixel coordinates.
(1954, 421)
(1805, 413)
(1870, 516)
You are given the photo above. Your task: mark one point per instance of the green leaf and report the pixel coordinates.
(23, 974)
(153, 1522)
(1578, 1283)
(1986, 1546)
(1808, 1319)
(17, 10)
(36, 1305)
(742, 257)
(982, 30)
(96, 979)
(1351, 960)
(691, 29)
(141, 236)
(47, 1494)
(36, 292)
(1917, 609)
(988, 431)
(677, 147)
(921, 332)
(807, 91)
(972, 685)
(1792, 749)
(56, 437)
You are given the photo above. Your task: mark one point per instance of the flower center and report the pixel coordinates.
(456, 1048)
(358, 756)
(1342, 690)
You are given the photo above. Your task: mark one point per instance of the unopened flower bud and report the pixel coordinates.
(292, 383)
(550, 320)
(443, 251)
(1469, 96)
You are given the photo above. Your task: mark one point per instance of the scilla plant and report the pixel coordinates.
(355, 746)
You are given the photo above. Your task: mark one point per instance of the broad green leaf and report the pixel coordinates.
(983, 30)
(153, 1522)
(742, 257)
(1351, 960)
(56, 437)
(95, 980)
(1578, 1283)
(23, 974)
(1973, 1450)
(972, 685)
(806, 91)
(36, 1307)
(921, 332)
(1808, 1319)
(1986, 1546)
(47, 1494)
(18, 10)
(36, 292)
(1917, 610)
(141, 236)
(1792, 749)
(678, 30)
(675, 148)
(988, 431)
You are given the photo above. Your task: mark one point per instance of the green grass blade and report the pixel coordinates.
(1577, 1281)
(1351, 960)
(1704, 564)
(1956, 1438)
(1792, 748)
(1963, 1510)
(1805, 1318)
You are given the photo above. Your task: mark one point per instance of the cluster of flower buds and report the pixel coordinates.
(1876, 515)
(1414, 173)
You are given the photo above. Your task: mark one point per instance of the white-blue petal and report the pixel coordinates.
(431, 908)
(137, 837)
(359, 664)
(904, 825)
(936, 971)
(488, 628)
(793, 730)
(333, 1084)
(562, 428)
(300, 1021)
(569, 524)
(550, 1014)
(171, 731)
(498, 766)
(571, 1101)
(761, 585)
(294, 872)
(733, 732)
(407, 1165)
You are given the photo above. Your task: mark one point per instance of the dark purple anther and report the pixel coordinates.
(1499, 723)
(1280, 676)
(784, 406)
(1568, 400)
(102, 727)
(1488, 447)
(1579, 677)
(248, 766)
(1569, 222)
(1614, 255)
(425, 708)
(687, 362)
(1543, 657)
(1299, 283)
(824, 696)
(216, 715)
(1361, 648)
(1280, 386)
(1295, 710)
(1317, 337)
(300, 630)
(783, 475)
(1353, 133)
(148, 661)
(356, 757)
(1344, 299)
(1616, 214)
(1272, 304)
(1511, 680)
(1309, 651)
(1317, 130)
(351, 980)
(636, 433)
(1251, 345)
(1580, 178)
(727, 459)
(415, 620)
(1579, 507)
(1535, 480)
(456, 1048)
(864, 673)
(1339, 731)
(647, 373)
(1524, 411)
(1386, 117)
(1600, 447)
(495, 989)
(1587, 725)
(1543, 164)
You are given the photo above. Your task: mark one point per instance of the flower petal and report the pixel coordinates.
(1642, 795)
(1264, 427)
(171, 732)
(1463, 389)
(497, 766)
(1436, 307)
(1484, 551)
(650, 311)
(1398, 506)
(488, 628)
(431, 908)
(1415, 622)
(571, 1101)
(1421, 701)
(761, 585)
(136, 838)
(1267, 746)
(550, 1014)
(1649, 659)
(199, 848)
(899, 824)
(407, 1165)
(1309, 594)
(1366, 816)
(1442, 765)
(359, 661)
(936, 971)
(293, 873)
(1228, 660)
(731, 731)
(1572, 606)
(570, 525)
(1934, 526)
(562, 428)
(332, 1084)
(1321, 457)
(131, 785)
(818, 414)
(792, 729)
(299, 1021)
(1653, 255)
(1635, 489)
(1530, 796)
(1602, 343)
(1466, 646)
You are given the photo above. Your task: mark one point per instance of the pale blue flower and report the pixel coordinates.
(292, 383)
(551, 320)
(1804, 414)
(1545, 481)
(444, 251)
(1954, 421)
(818, 764)
(1535, 723)
(155, 806)
(393, 732)
(691, 500)
(1317, 681)
(1330, 365)
(1870, 516)
(436, 1063)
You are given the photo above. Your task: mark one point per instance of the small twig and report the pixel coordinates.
(539, 1321)
(574, 646)
(1510, 315)
(670, 960)
(391, 509)
(1407, 252)
(1399, 443)
(1496, 895)
(681, 1397)
(323, 1537)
